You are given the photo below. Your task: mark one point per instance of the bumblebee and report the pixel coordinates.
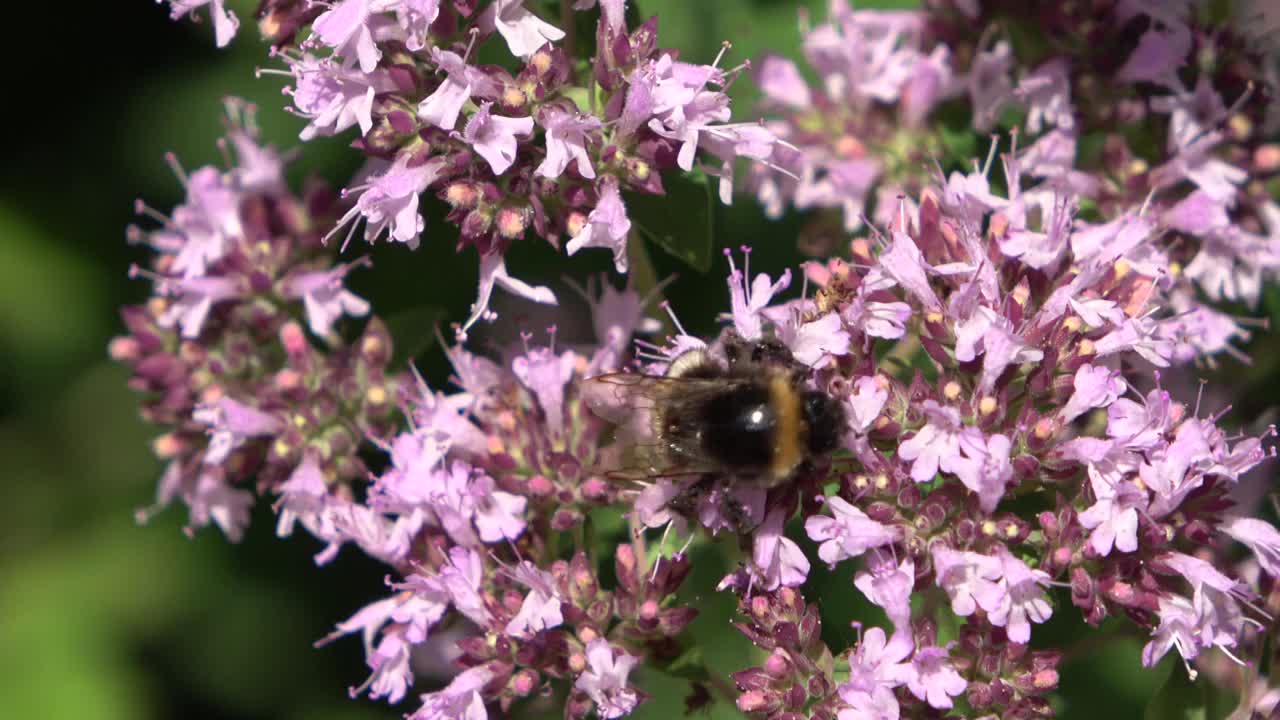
(746, 418)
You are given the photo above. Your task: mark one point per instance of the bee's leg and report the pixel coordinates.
(686, 501)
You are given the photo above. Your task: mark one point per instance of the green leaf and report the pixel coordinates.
(1179, 699)
(414, 330)
(680, 222)
(689, 665)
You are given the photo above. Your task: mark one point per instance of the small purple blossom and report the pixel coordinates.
(324, 298)
(225, 22)
(524, 32)
(605, 680)
(936, 446)
(345, 27)
(970, 579)
(1023, 601)
(848, 533)
(1113, 518)
(460, 700)
(388, 203)
(567, 135)
(607, 226)
(231, 423)
(441, 108)
(777, 558)
(934, 679)
(541, 607)
(1259, 536)
(493, 137)
(747, 301)
(888, 584)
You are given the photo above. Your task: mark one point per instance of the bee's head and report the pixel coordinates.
(826, 420)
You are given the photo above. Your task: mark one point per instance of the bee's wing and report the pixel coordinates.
(641, 452)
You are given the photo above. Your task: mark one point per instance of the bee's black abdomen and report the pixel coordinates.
(826, 421)
(739, 427)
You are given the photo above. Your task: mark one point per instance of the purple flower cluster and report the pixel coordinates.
(550, 147)
(248, 397)
(480, 488)
(1027, 317)
(1199, 91)
(1009, 450)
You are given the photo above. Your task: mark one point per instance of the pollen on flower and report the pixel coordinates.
(461, 195)
(541, 62)
(1072, 323)
(848, 146)
(376, 395)
(167, 446)
(288, 379)
(494, 445)
(513, 97)
(512, 222)
(1086, 348)
(987, 405)
(988, 528)
(951, 390)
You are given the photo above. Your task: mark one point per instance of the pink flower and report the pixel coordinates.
(848, 533)
(388, 202)
(607, 226)
(324, 298)
(984, 466)
(746, 303)
(441, 108)
(460, 579)
(545, 374)
(231, 423)
(1023, 600)
(493, 137)
(493, 272)
(935, 679)
(1047, 93)
(212, 500)
(1177, 628)
(876, 667)
(196, 297)
(936, 446)
(498, 515)
(904, 263)
(968, 578)
(225, 22)
(1113, 517)
(781, 82)
(778, 559)
(415, 18)
(1095, 386)
(304, 495)
(541, 607)
(333, 98)
(345, 28)
(870, 393)
(460, 700)
(605, 680)
(888, 584)
(1259, 536)
(524, 32)
(567, 137)
(812, 343)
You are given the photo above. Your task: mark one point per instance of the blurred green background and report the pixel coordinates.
(101, 618)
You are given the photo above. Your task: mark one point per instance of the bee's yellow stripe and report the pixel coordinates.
(786, 443)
